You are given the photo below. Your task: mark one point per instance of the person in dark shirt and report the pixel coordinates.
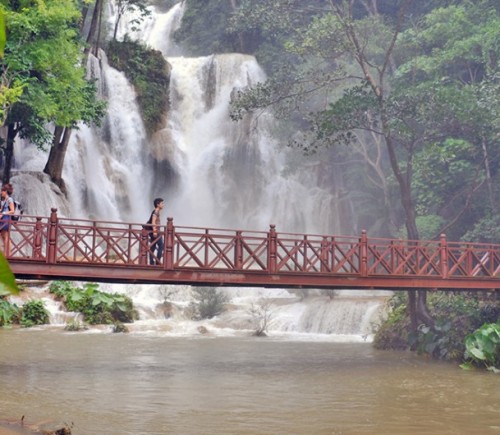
(155, 235)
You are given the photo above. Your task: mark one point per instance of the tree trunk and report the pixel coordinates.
(85, 11)
(412, 309)
(93, 27)
(57, 154)
(99, 25)
(9, 152)
(417, 303)
(488, 176)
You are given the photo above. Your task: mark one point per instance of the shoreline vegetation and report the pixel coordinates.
(465, 329)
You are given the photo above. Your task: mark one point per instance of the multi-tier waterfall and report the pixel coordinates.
(221, 174)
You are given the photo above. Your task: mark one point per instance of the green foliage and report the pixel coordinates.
(44, 55)
(429, 227)
(393, 333)
(432, 99)
(456, 316)
(454, 41)
(7, 279)
(97, 307)
(486, 230)
(209, 302)
(3, 36)
(60, 288)
(8, 312)
(441, 168)
(483, 346)
(149, 73)
(34, 313)
(201, 37)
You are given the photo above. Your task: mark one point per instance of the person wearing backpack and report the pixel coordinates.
(7, 209)
(155, 236)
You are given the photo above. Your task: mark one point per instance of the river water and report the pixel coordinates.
(116, 384)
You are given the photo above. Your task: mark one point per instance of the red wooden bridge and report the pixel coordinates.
(56, 248)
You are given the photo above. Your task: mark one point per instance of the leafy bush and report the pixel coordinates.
(8, 312)
(486, 230)
(483, 346)
(97, 307)
(34, 313)
(60, 288)
(209, 302)
(456, 316)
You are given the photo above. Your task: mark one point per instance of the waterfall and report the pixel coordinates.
(221, 174)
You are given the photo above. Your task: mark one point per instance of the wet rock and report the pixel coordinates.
(202, 330)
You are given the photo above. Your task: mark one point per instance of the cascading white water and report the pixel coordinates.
(228, 175)
(104, 167)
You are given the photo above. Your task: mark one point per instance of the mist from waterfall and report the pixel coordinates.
(223, 174)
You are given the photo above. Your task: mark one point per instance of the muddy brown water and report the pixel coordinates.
(116, 384)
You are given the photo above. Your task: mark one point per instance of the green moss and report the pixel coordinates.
(149, 72)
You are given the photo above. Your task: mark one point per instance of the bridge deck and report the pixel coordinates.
(83, 250)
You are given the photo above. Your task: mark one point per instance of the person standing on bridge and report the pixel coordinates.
(155, 235)
(7, 210)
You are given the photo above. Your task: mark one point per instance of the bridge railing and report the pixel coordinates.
(317, 254)
(219, 249)
(28, 238)
(64, 240)
(57, 240)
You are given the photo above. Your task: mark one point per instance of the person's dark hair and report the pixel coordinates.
(8, 188)
(157, 201)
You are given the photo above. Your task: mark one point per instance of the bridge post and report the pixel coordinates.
(272, 249)
(238, 251)
(169, 244)
(143, 246)
(324, 255)
(443, 251)
(52, 237)
(37, 245)
(363, 254)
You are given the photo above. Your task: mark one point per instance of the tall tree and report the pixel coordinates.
(360, 47)
(451, 65)
(43, 52)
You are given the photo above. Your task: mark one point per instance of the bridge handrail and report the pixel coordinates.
(56, 239)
